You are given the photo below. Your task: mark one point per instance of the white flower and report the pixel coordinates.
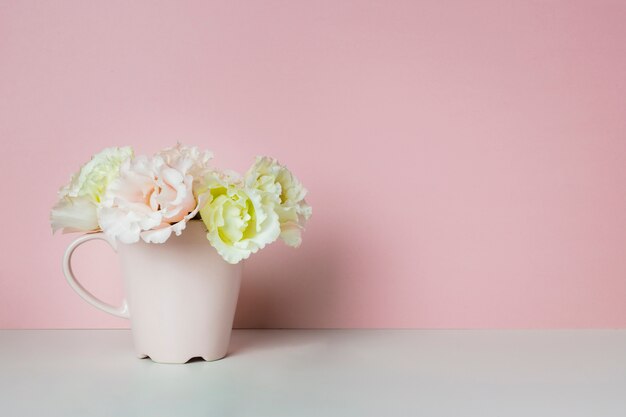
(276, 183)
(153, 197)
(76, 210)
(238, 221)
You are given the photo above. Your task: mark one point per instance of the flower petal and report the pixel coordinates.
(74, 215)
(291, 234)
(164, 231)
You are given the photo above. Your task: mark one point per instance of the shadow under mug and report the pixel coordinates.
(180, 296)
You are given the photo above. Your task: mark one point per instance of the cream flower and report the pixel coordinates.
(238, 221)
(76, 210)
(276, 183)
(153, 197)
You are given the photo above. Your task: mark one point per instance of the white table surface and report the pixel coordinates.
(321, 373)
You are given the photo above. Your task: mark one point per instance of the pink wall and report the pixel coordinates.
(465, 160)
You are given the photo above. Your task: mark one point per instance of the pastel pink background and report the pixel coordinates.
(465, 159)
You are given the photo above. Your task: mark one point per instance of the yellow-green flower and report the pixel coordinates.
(238, 221)
(76, 209)
(278, 185)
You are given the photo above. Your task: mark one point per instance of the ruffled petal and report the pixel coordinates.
(158, 235)
(164, 231)
(291, 234)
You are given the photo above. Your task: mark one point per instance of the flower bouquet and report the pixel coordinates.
(181, 228)
(138, 197)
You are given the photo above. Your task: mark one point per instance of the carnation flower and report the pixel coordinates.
(276, 183)
(238, 220)
(153, 197)
(76, 210)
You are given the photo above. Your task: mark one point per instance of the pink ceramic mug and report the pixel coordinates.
(180, 295)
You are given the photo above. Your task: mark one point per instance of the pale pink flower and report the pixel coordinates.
(153, 197)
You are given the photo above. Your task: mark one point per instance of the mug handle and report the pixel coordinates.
(121, 311)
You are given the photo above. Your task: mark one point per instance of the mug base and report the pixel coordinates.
(181, 360)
